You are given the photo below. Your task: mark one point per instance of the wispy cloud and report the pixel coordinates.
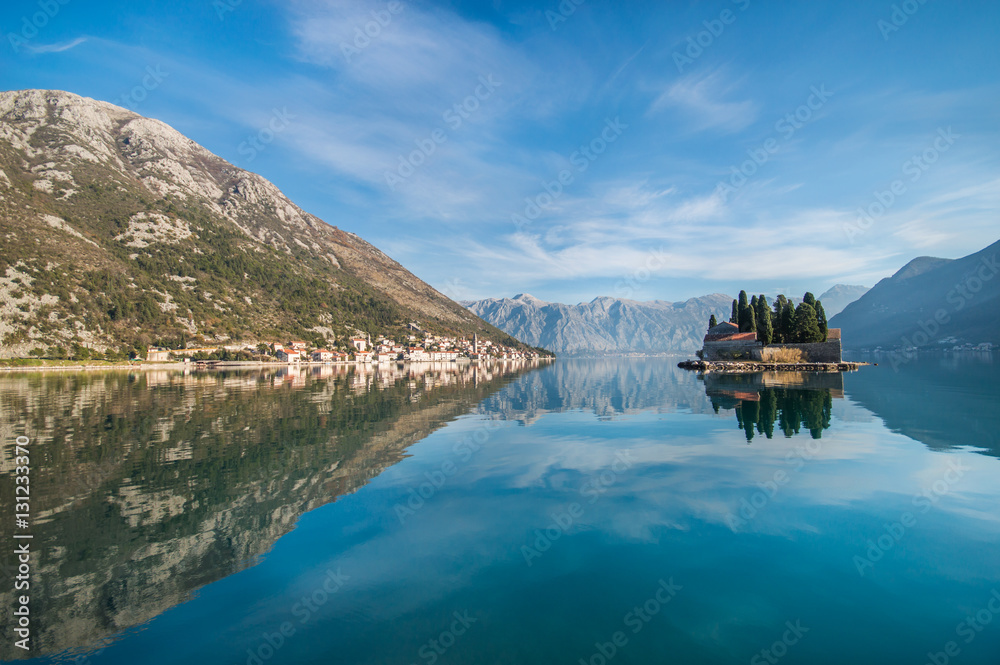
(56, 48)
(706, 100)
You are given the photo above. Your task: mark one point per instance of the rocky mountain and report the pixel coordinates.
(839, 296)
(119, 231)
(929, 302)
(605, 325)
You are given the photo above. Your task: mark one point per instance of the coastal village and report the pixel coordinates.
(360, 349)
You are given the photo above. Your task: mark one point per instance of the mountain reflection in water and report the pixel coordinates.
(150, 485)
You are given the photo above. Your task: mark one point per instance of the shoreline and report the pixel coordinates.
(237, 364)
(749, 367)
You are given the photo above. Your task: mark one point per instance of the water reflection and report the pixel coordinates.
(943, 401)
(634, 471)
(149, 485)
(790, 400)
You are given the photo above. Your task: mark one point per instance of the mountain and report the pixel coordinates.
(605, 325)
(119, 231)
(929, 301)
(839, 296)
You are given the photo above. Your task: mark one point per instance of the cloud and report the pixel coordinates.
(702, 98)
(57, 47)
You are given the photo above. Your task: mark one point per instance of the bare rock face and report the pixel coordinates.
(605, 325)
(138, 205)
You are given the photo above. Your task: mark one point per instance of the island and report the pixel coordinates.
(788, 338)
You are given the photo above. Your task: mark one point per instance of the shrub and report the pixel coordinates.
(788, 356)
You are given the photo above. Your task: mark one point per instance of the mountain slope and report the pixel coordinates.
(839, 296)
(119, 230)
(929, 301)
(605, 325)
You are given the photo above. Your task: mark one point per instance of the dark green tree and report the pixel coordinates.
(712, 322)
(809, 299)
(806, 325)
(734, 317)
(787, 323)
(744, 314)
(821, 317)
(779, 306)
(765, 329)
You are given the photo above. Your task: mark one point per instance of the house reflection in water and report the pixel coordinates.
(790, 401)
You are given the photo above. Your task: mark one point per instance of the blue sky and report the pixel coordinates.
(650, 114)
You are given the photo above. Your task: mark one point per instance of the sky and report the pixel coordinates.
(575, 149)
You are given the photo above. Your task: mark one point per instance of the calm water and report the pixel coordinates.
(604, 511)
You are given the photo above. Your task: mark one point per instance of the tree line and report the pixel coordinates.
(784, 324)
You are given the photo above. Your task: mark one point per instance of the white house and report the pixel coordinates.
(322, 355)
(284, 356)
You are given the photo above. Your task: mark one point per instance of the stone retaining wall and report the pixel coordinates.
(817, 352)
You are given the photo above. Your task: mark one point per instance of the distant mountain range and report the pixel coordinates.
(605, 325)
(929, 302)
(836, 298)
(118, 230)
(616, 326)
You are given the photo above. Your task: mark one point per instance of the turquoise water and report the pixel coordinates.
(599, 511)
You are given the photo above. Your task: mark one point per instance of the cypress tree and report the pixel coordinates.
(821, 317)
(765, 329)
(779, 306)
(712, 322)
(786, 323)
(809, 299)
(734, 318)
(743, 315)
(806, 325)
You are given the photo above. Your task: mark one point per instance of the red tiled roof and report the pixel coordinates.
(733, 337)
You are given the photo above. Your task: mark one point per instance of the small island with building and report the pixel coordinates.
(756, 338)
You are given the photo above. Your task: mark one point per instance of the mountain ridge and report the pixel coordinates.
(121, 231)
(605, 325)
(928, 302)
